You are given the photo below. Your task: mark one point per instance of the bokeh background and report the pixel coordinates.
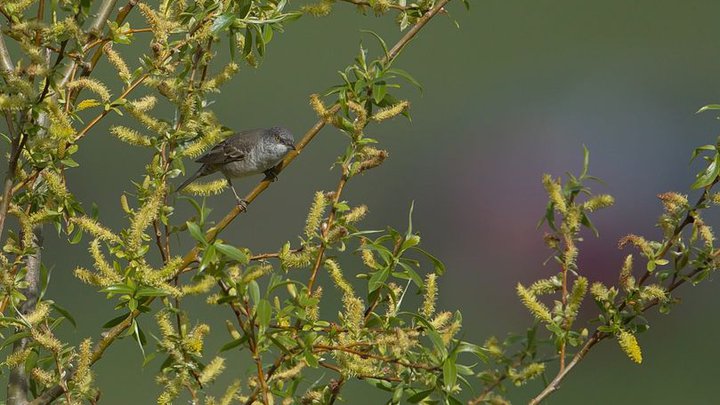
(514, 92)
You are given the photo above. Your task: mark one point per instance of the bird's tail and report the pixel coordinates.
(197, 175)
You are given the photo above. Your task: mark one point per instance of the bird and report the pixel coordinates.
(243, 154)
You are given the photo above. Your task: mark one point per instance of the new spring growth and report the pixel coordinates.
(430, 296)
(226, 74)
(628, 343)
(390, 112)
(600, 292)
(319, 108)
(320, 9)
(360, 116)
(538, 309)
(144, 217)
(369, 159)
(17, 6)
(639, 242)
(92, 227)
(704, 231)
(546, 286)
(84, 360)
(130, 136)
(575, 299)
(654, 292)
(212, 370)
(47, 340)
(206, 188)
(555, 193)
(108, 275)
(315, 215)
(627, 281)
(293, 260)
(673, 203)
(45, 377)
(531, 371)
(39, 314)
(117, 62)
(598, 202)
(55, 184)
(92, 85)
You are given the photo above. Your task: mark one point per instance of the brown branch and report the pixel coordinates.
(17, 388)
(327, 226)
(191, 256)
(6, 67)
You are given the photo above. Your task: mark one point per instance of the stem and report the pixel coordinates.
(555, 383)
(6, 67)
(328, 225)
(17, 389)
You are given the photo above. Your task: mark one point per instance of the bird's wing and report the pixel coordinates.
(231, 149)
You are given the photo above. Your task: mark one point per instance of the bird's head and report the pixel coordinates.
(282, 136)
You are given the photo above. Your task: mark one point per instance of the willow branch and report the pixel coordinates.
(6, 67)
(17, 393)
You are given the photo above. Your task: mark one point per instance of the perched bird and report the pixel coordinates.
(246, 153)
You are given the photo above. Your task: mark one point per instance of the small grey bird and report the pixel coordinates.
(246, 153)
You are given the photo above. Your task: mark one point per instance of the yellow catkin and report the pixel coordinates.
(84, 361)
(628, 343)
(673, 202)
(130, 136)
(201, 287)
(318, 106)
(336, 274)
(16, 358)
(320, 9)
(315, 215)
(214, 187)
(93, 85)
(639, 242)
(599, 291)
(144, 217)
(226, 74)
(543, 287)
(41, 311)
(45, 377)
(166, 327)
(356, 214)
(577, 294)
(291, 372)
(554, 191)
(47, 340)
(197, 147)
(360, 115)
(598, 202)
(212, 370)
(55, 183)
(430, 296)
(231, 393)
(144, 104)
(87, 276)
(92, 227)
(390, 112)
(117, 61)
(654, 292)
(106, 270)
(538, 309)
(626, 281)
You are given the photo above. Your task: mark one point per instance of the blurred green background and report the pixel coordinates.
(513, 93)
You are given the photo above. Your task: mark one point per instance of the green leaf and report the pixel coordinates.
(118, 289)
(150, 292)
(254, 292)
(378, 279)
(405, 75)
(449, 373)
(222, 22)
(232, 252)
(233, 344)
(115, 321)
(196, 233)
(709, 175)
(415, 398)
(64, 312)
(708, 107)
(263, 313)
(439, 266)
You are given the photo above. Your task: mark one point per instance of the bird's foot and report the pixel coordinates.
(271, 174)
(242, 204)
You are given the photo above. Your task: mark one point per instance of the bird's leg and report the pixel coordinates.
(271, 174)
(242, 203)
